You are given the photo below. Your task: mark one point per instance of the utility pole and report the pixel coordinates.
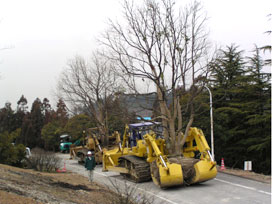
(211, 115)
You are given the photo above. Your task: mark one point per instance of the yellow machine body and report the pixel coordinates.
(110, 160)
(150, 149)
(164, 172)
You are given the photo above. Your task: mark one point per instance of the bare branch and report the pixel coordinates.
(166, 47)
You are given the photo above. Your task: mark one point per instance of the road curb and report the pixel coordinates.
(242, 176)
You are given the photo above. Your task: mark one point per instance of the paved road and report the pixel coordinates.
(223, 189)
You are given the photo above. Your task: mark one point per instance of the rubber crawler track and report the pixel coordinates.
(139, 169)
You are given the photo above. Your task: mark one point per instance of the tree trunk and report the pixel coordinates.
(164, 115)
(187, 128)
(172, 136)
(179, 133)
(169, 127)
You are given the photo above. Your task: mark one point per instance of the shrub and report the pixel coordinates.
(10, 154)
(128, 194)
(43, 161)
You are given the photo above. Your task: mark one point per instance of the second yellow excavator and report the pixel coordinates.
(143, 155)
(91, 143)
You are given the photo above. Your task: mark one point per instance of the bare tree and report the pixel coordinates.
(90, 85)
(157, 42)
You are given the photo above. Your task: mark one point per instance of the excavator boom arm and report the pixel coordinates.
(153, 147)
(201, 142)
(125, 137)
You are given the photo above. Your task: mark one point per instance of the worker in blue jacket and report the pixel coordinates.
(90, 165)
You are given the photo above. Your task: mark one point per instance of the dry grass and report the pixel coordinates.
(29, 186)
(11, 198)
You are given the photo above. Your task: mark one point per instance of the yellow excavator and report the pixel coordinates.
(91, 144)
(143, 155)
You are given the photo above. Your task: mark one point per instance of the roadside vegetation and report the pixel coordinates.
(41, 160)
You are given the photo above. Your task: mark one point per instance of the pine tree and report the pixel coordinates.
(258, 119)
(242, 110)
(228, 79)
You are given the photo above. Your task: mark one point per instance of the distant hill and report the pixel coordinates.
(141, 104)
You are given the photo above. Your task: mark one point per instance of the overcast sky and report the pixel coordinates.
(41, 35)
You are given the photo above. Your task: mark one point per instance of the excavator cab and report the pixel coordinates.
(138, 130)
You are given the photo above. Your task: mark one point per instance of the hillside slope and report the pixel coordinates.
(25, 186)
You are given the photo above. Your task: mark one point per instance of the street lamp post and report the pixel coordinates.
(211, 115)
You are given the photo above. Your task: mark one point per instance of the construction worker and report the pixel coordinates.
(90, 165)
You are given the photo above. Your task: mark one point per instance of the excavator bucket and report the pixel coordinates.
(166, 177)
(171, 177)
(195, 170)
(204, 170)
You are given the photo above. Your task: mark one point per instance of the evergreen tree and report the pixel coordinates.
(62, 113)
(47, 111)
(22, 104)
(242, 109)
(227, 79)
(37, 121)
(21, 112)
(50, 134)
(7, 119)
(258, 118)
(10, 154)
(76, 125)
(27, 134)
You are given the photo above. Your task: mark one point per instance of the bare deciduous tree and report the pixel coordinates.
(168, 47)
(90, 85)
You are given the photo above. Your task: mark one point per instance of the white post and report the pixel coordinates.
(211, 115)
